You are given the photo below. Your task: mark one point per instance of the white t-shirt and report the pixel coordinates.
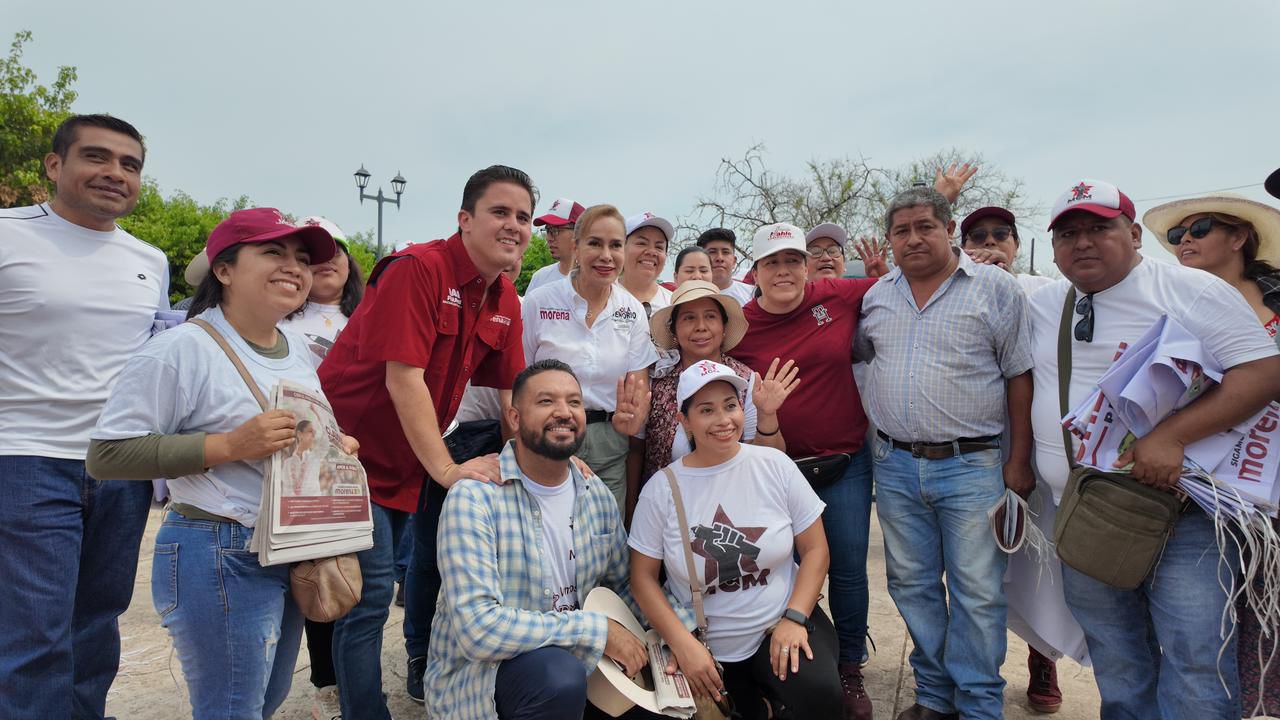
(1208, 307)
(75, 304)
(740, 291)
(1031, 283)
(543, 276)
(182, 382)
(320, 325)
(744, 515)
(660, 299)
(555, 327)
(555, 511)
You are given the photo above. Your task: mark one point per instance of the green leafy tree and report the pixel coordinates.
(29, 114)
(361, 244)
(535, 256)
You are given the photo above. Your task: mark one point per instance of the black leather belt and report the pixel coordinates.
(598, 416)
(942, 450)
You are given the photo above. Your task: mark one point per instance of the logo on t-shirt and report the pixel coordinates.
(453, 297)
(820, 314)
(730, 553)
(625, 314)
(554, 314)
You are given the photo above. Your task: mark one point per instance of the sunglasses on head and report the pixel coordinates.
(980, 235)
(1198, 229)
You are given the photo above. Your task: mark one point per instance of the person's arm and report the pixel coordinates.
(1245, 389)
(767, 396)
(417, 415)
(690, 657)
(470, 583)
(1018, 476)
(147, 457)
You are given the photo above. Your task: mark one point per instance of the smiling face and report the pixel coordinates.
(272, 277)
(723, 262)
(1216, 252)
(549, 415)
(600, 252)
(921, 243)
(696, 265)
(699, 330)
(1094, 252)
(499, 231)
(781, 278)
(645, 255)
(828, 264)
(329, 278)
(99, 178)
(715, 419)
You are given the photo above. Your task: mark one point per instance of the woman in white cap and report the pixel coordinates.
(700, 324)
(1238, 240)
(600, 329)
(644, 257)
(180, 409)
(749, 514)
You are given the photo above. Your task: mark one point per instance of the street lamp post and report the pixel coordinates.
(397, 184)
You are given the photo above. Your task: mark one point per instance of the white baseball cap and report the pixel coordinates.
(828, 230)
(1094, 196)
(648, 219)
(696, 376)
(563, 211)
(777, 237)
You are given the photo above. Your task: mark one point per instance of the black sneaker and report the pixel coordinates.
(417, 666)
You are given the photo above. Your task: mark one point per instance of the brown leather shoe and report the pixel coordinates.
(920, 712)
(1043, 694)
(857, 705)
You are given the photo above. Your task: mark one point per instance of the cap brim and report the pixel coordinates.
(551, 220)
(321, 247)
(1099, 210)
(1264, 218)
(196, 269)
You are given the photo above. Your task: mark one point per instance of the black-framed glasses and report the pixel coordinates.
(980, 235)
(1084, 328)
(1198, 229)
(557, 229)
(831, 251)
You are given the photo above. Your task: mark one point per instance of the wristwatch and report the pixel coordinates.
(798, 618)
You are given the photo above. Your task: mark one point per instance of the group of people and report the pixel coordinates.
(704, 448)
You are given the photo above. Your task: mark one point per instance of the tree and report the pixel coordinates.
(361, 248)
(535, 256)
(848, 191)
(29, 115)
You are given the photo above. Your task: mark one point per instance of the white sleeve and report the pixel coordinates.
(803, 503)
(749, 411)
(641, 353)
(528, 313)
(650, 517)
(1227, 327)
(149, 397)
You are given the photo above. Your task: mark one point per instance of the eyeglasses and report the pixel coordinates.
(1084, 328)
(556, 230)
(831, 251)
(980, 235)
(1198, 229)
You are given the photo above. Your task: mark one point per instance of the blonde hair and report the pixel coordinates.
(591, 216)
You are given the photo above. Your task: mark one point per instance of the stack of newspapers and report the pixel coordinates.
(315, 497)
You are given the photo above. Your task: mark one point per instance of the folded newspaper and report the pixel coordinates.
(315, 497)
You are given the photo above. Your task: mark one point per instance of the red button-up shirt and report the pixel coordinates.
(425, 307)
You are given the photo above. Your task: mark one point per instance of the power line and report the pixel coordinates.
(1202, 192)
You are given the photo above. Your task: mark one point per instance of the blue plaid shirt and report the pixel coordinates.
(939, 371)
(494, 603)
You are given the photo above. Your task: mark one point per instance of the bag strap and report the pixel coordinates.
(235, 360)
(694, 585)
(1064, 369)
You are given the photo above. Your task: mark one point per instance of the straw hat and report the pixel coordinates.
(689, 290)
(608, 688)
(1264, 218)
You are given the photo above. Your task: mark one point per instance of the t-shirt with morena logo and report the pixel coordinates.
(744, 515)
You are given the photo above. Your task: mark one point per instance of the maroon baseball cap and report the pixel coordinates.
(998, 213)
(562, 212)
(256, 225)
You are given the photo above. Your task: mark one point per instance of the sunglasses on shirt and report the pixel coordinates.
(1084, 328)
(1198, 229)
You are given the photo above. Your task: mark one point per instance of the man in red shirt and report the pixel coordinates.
(434, 316)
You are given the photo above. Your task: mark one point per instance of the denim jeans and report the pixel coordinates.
(933, 514)
(1156, 649)
(235, 627)
(68, 557)
(422, 581)
(847, 522)
(404, 551)
(357, 637)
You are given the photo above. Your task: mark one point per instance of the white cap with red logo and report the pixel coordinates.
(776, 238)
(648, 219)
(1094, 196)
(563, 211)
(698, 375)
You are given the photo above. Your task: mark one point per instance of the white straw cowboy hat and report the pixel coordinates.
(1264, 218)
(609, 688)
(734, 328)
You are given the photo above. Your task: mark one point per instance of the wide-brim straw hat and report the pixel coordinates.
(734, 328)
(609, 688)
(1264, 218)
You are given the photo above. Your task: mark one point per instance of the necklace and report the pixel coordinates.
(328, 318)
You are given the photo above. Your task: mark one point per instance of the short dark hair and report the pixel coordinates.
(478, 183)
(687, 252)
(537, 368)
(714, 234)
(65, 136)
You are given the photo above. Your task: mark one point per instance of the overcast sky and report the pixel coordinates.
(636, 103)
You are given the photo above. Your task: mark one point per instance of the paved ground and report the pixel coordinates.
(150, 685)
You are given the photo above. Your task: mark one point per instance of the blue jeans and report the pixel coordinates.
(544, 684)
(1177, 610)
(933, 514)
(404, 550)
(422, 580)
(234, 624)
(357, 637)
(847, 522)
(68, 557)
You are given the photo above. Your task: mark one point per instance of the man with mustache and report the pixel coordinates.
(517, 557)
(78, 296)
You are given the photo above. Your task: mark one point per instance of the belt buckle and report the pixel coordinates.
(917, 449)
